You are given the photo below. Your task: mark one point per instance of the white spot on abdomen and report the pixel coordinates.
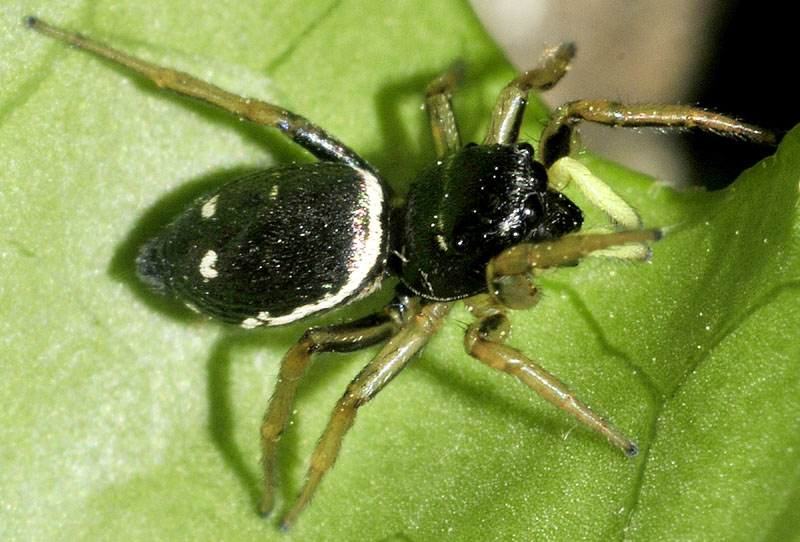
(207, 265)
(209, 207)
(251, 323)
(262, 318)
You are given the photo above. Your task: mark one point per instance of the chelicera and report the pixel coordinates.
(478, 224)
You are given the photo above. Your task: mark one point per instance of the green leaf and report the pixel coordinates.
(125, 417)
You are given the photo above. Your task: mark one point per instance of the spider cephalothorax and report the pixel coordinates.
(470, 206)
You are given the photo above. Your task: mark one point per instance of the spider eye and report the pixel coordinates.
(533, 208)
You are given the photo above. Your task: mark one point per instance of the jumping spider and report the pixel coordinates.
(295, 241)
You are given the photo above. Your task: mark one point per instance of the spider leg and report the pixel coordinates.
(444, 127)
(507, 273)
(299, 129)
(392, 358)
(569, 170)
(507, 115)
(557, 136)
(484, 341)
(347, 337)
(630, 251)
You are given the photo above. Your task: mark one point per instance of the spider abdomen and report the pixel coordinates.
(275, 246)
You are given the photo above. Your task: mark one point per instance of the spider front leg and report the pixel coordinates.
(348, 337)
(393, 358)
(484, 341)
(557, 136)
(507, 274)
